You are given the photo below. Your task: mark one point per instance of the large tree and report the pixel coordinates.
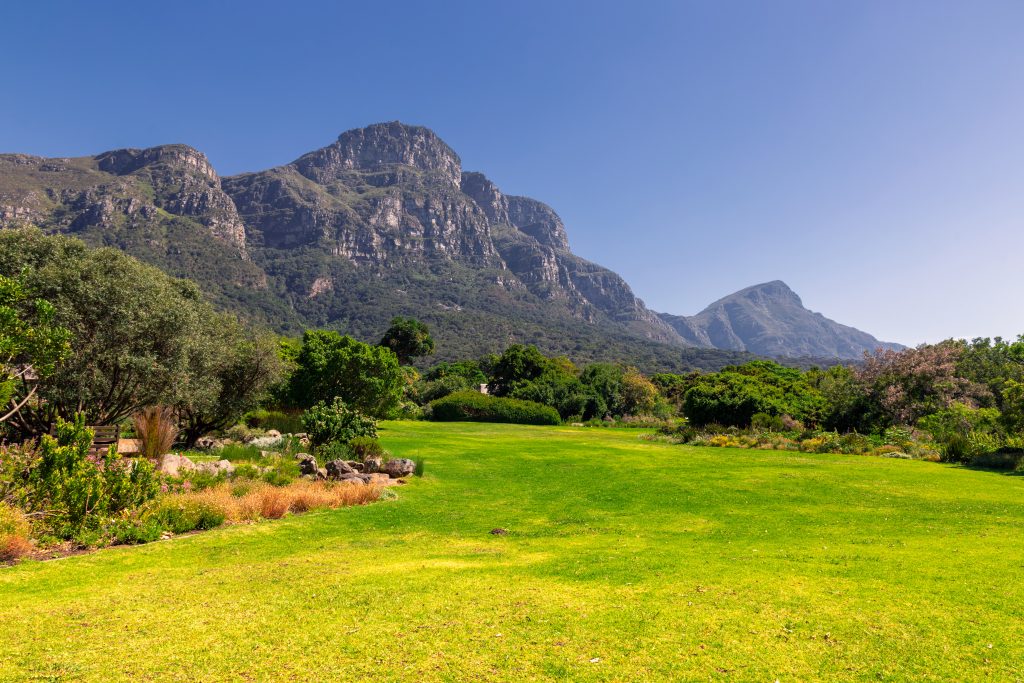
(331, 366)
(243, 367)
(408, 338)
(139, 336)
(31, 346)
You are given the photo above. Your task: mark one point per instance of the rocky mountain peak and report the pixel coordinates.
(126, 161)
(381, 147)
(767, 293)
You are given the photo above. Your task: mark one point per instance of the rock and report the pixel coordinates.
(499, 532)
(337, 468)
(307, 464)
(380, 479)
(398, 467)
(901, 456)
(273, 433)
(321, 473)
(266, 454)
(208, 442)
(266, 441)
(174, 465)
(216, 468)
(371, 464)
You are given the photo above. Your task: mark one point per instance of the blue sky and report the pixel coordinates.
(870, 154)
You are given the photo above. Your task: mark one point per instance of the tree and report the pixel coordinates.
(408, 338)
(243, 368)
(329, 365)
(30, 345)
(638, 393)
(517, 366)
(907, 385)
(138, 335)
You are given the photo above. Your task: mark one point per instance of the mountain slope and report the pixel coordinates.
(770, 319)
(384, 221)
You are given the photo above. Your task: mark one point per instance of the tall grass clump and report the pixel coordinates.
(156, 427)
(14, 532)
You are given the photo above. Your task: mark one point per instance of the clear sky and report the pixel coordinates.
(870, 154)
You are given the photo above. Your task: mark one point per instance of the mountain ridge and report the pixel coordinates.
(382, 221)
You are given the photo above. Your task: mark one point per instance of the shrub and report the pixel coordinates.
(363, 446)
(474, 407)
(181, 513)
(336, 422)
(156, 428)
(14, 531)
(766, 422)
(286, 422)
(77, 490)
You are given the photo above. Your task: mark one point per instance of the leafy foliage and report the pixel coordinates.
(330, 366)
(31, 344)
(78, 491)
(472, 406)
(336, 422)
(408, 338)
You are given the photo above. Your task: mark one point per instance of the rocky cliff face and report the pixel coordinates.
(394, 199)
(382, 222)
(770, 319)
(124, 188)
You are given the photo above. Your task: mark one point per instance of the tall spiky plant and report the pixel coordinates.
(156, 427)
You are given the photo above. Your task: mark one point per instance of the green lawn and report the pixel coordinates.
(624, 560)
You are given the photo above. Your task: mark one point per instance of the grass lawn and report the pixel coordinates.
(624, 560)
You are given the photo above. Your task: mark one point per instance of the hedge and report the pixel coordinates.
(471, 406)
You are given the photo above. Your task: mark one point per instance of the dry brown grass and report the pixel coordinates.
(14, 532)
(250, 502)
(156, 428)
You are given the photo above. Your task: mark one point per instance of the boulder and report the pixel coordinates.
(307, 464)
(321, 473)
(398, 468)
(356, 465)
(216, 468)
(371, 464)
(174, 465)
(273, 433)
(338, 468)
(265, 441)
(209, 443)
(379, 479)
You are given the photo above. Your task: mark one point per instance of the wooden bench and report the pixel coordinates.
(103, 437)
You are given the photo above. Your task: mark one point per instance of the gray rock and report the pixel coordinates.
(307, 464)
(174, 465)
(371, 464)
(216, 468)
(266, 441)
(273, 433)
(398, 468)
(338, 468)
(321, 473)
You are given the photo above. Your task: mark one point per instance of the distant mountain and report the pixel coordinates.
(770, 319)
(382, 222)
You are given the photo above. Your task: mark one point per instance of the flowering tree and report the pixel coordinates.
(912, 383)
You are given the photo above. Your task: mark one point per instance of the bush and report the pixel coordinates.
(14, 531)
(336, 422)
(474, 407)
(286, 422)
(363, 446)
(77, 490)
(768, 423)
(181, 513)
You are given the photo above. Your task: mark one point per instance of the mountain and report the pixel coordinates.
(384, 221)
(770, 319)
